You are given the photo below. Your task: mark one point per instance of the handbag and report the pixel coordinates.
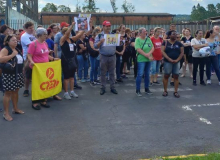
(10, 66)
(71, 62)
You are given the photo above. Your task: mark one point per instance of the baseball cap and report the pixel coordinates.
(106, 23)
(64, 24)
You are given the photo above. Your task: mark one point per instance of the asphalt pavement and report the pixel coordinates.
(112, 127)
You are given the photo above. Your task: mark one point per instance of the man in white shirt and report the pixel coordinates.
(26, 39)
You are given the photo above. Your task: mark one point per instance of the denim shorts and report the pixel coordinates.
(155, 67)
(171, 68)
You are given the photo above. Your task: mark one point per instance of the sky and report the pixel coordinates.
(141, 6)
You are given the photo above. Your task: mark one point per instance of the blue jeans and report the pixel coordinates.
(155, 66)
(171, 68)
(82, 65)
(219, 60)
(94, 63)
(143, 68)
(212, 61)
(118, 67)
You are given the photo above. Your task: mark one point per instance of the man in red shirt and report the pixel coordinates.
(157, 54)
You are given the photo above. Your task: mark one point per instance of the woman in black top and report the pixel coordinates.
(12, 80)
(186, 41)
(82, 57)
(68, 52)
(119, 53)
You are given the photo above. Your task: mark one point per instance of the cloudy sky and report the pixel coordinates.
(141, 6)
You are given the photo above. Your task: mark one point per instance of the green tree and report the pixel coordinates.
(114, 6)
(50, 7)
(89, 6)
(127, 7)
(211, 12)
(198, 13)
(78, 8)
(63, 8)
(2, 6)
(218, 9)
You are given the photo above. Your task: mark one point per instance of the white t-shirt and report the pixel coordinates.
(26, 39)
(197, 42)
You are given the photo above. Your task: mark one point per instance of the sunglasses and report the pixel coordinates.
(178, 37)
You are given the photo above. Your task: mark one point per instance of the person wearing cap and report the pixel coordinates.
(107, 58)
(57, 48)
(38, 52)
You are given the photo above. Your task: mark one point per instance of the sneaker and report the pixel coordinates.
(102, 91)
(148, 91)
(203, 83)
(119, 80)
(26, 93)
(114, 91)
(138, 93)
(77, 86)
(194, 83)
(73, 94)
(156, 83)
(83, 80)
(209, 82)
(2, 109)
(88, 80)
(67, 96)
(172, 83)
(151, 84)
(92, 84)
(97, 82)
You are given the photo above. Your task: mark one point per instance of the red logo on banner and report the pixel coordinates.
(52, 83)
(50, 73)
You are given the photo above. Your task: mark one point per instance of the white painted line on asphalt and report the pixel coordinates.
(189, 107)
(204, 120)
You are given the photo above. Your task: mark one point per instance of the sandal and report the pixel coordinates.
(7, 118)
(176, 95)
(165, 94)
(45, 105)
(18, 112)
(56, 97)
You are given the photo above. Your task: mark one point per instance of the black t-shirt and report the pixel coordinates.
(120, 48)
(188, 48)
(172, 50)
(79, 48)
(19, 46)
(132, 48)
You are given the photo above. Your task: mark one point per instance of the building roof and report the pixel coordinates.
(106, 14)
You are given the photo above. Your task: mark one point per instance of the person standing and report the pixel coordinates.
(13, 80)
(144, 48)
(107, 59)
(173, 51)
(69, 54)
(197, 43)
(26, 40)
(212, 60)
(217, 39)
(157, 54)
(186, 41)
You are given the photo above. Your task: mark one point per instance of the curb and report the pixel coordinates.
(182, 156)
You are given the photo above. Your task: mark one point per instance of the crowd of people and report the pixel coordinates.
(84, 58)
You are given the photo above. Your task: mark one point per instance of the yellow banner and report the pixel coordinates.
(46, 80)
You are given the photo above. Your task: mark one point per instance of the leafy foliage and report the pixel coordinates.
(127, 7)
(89, 6)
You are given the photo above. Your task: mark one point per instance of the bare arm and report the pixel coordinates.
(92, 46)
(75, 38)
(181, 54)
(132, 44)
(4, 57)
(198, 46)
(67, 34)
(55, 50)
